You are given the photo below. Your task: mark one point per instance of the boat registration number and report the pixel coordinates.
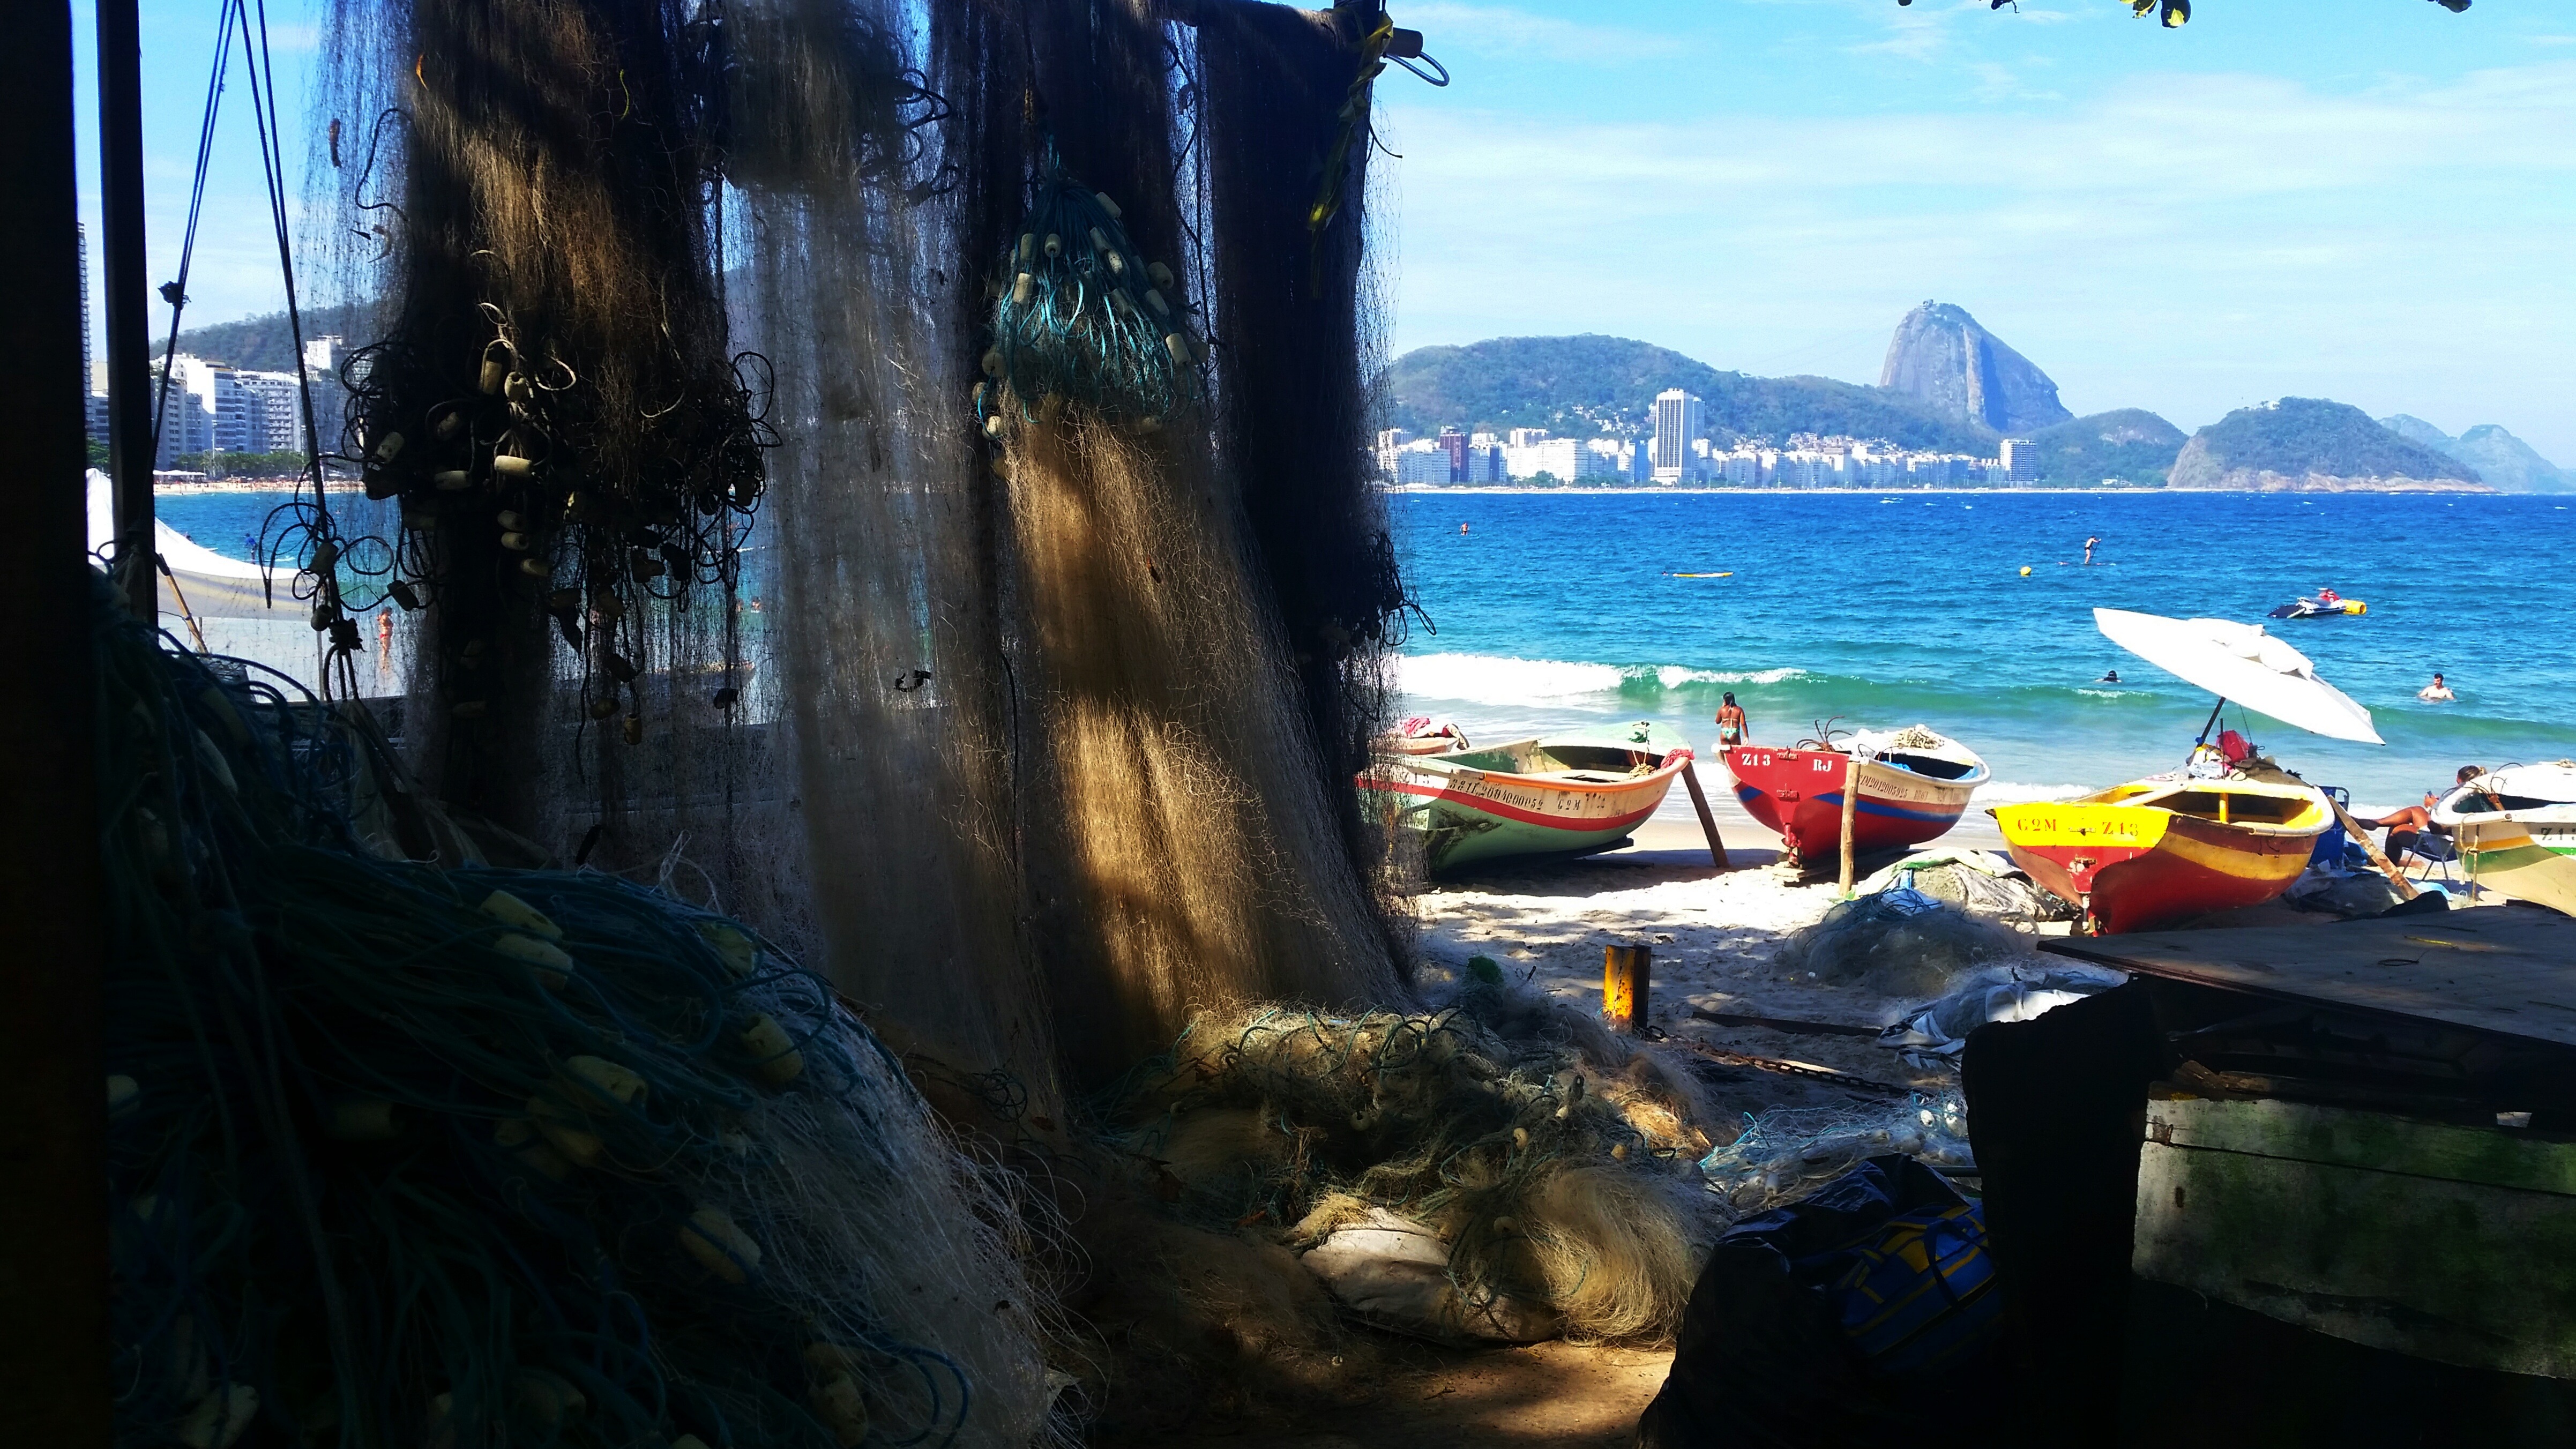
(2080, 826)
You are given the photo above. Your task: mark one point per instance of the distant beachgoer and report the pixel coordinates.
(2113, 677)
(1462, 528)
(2436, 692)
(1731, 726)
(2088, 547)
(385, 626)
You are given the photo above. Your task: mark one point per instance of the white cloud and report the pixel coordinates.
(1501, 32)
(2182, 242)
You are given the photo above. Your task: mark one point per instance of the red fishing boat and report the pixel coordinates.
(1914, 785)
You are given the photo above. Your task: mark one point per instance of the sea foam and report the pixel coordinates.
(1504, 679)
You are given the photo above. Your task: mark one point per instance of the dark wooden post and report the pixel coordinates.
(129, 342)
(1627, 986)
(53, 1196)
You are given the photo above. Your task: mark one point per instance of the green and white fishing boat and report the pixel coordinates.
(1568, 794)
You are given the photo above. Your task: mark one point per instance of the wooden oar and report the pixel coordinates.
(2406, 890)
(1707, 822)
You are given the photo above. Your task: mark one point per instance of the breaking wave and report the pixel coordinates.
(1506, 680)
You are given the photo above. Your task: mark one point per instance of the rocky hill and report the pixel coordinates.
(1591, 384)
(265, 343)
(2506, 462)
(2128, 445)
(1940, 356)
(2305, 443)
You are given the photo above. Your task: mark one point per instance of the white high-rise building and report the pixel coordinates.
(1390, 442)
(1679, 418)
(188, 416)
(322, 359)
(2020, 461)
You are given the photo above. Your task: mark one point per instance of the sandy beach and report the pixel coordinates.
(1714, 934)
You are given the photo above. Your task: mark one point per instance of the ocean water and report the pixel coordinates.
(1559, 610)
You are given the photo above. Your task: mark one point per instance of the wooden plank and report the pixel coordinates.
(2344, 1137)
(2508, 969)
(2393, 1255)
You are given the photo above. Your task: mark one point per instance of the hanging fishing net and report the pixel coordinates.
(524, 197)
(1180, 834)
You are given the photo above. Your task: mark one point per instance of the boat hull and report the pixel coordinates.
(1799, 794)
(1465, 815)
(2136, 867)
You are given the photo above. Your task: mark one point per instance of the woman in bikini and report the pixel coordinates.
(1730, 723)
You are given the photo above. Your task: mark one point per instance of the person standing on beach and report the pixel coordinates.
(2088, 546)
(1731, 727)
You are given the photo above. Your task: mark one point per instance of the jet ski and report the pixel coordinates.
(2320, 609)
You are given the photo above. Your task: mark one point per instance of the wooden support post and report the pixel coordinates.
(2406, 890)
(1851, 807)
(121, 269)
(1627, 974)
(1707, 822)
(54, 1383)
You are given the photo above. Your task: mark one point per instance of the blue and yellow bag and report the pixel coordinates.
(1919, 1292)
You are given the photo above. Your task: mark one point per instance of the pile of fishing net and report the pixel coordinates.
(1524, 1173)
(410, 1156)
(1979, 881)
(1898, 942)
(1785, 1154)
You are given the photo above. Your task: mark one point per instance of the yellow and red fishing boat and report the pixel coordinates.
(2157, 851)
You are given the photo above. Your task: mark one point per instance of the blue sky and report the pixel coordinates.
(2369, 200)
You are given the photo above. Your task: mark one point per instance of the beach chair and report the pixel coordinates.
(2430, 852)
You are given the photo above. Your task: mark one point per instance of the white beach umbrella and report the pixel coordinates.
(2241, 662)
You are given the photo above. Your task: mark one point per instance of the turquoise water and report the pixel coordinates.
(1557, 610)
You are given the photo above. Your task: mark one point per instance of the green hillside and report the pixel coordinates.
(264, 343)
(2130, 445)
(2298, 437)
(1590, 384)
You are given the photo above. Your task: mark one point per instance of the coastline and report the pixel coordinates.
(1660, 491)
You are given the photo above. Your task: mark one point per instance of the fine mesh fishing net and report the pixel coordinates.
(409, 1156)
(524, 195)
(1295, 296)
(891, 707)
(1552, 1160)
(1179, 834)
(1898, 942)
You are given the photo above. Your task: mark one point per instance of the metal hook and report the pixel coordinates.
(1427, 59)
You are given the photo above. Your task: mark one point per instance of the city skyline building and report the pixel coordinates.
(1680, 418)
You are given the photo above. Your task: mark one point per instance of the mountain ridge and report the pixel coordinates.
(1591, 383)
(1942, 357)
(2313, 445)
(2501, 459)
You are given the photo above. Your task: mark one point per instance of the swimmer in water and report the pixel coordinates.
(2436, 692)
(2111, 678)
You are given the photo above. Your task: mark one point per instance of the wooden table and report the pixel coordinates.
(2504, 969)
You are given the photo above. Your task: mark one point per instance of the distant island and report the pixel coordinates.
(1955, 406)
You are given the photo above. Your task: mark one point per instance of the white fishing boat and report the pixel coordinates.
(2516, 830)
